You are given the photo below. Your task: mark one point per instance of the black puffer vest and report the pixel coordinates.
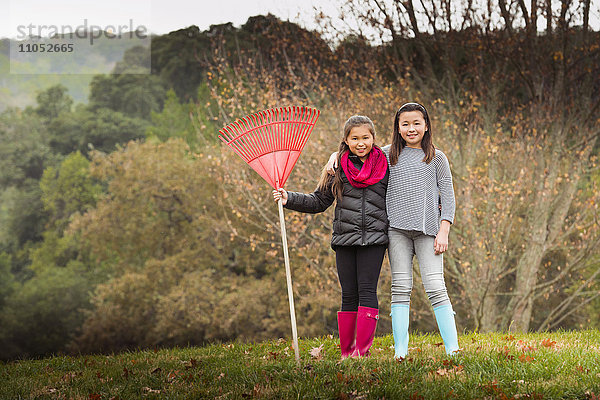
(360, 217)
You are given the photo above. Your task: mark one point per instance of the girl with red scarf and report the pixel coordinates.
(360, 229)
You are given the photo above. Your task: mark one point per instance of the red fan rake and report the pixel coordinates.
(271, 141)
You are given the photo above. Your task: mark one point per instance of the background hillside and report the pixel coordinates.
(37, 73)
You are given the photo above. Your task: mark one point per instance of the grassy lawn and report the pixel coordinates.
(558, 365)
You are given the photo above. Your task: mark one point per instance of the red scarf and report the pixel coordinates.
(372, 171)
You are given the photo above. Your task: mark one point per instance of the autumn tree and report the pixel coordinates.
(186, 267)
(517, 107)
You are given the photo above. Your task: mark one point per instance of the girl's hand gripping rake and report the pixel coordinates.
(271, 141)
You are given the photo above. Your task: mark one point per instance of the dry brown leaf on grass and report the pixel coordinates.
(549, 343)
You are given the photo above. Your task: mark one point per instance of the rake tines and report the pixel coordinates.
(270, 141)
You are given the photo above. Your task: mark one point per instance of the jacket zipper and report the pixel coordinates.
(363, 217)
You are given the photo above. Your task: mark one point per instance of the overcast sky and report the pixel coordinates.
(163, 16)
(159, 16)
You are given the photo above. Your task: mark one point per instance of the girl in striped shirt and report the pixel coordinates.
(420, 205)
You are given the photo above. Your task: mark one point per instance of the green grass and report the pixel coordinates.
(560, 365)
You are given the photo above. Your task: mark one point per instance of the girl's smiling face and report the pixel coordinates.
(360, 141)
(412, 128)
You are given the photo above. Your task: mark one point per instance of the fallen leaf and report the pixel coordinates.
(549, 343)
(416, 396)
(448, 363)
(458, 369)
(525, 347)
(315, 352)
(193, 364)
(171, 377)
(581, 369)
(524, 358)
(592, 396)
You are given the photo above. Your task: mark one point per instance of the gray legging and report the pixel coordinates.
(403, 246)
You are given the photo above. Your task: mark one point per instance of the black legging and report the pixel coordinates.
(358, 270)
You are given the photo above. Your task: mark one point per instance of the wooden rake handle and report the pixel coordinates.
(288, 276)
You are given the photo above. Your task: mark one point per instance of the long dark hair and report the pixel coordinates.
(398, 143)
(325, 181)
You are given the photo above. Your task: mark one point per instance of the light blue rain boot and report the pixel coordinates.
(400, 319)
(445, 320)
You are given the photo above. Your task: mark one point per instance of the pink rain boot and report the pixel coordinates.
(366, 323)
(347, 330)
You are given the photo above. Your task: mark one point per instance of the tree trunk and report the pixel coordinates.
(505, 15)
(529, 263)
(586, 19)
(548, 17)
(527, 271)
(546, 223)
(534, 17)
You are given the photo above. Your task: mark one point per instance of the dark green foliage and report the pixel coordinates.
(45, 312)
(46, 304)
(135, 95)
(97, 128)
(68, 190)
(52, 102)
(24, 149)
(173, 121)
(6, 278)
(26, 216)
(180, 59)
(136, 60)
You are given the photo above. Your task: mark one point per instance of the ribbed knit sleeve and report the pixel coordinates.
(444, 183)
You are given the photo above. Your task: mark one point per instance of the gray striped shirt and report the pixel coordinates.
(415, 190)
